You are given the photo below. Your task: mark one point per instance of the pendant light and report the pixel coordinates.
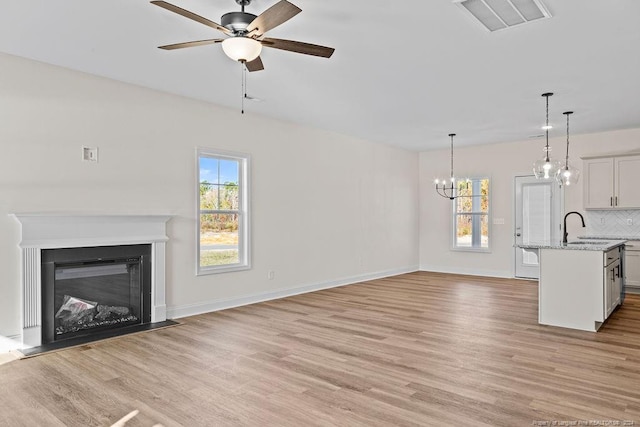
(568, 174)
(545, 168)
(448, 190)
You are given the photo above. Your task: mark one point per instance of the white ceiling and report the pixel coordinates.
(404, 73)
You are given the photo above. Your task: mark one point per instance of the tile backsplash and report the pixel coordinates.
(613, 223)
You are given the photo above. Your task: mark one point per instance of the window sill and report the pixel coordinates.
(205, 271)
(479, 250)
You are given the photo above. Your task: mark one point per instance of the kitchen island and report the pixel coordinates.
(580, 283)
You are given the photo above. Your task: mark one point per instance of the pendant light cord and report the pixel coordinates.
(567, 113)
(567, 159)
(546, 95)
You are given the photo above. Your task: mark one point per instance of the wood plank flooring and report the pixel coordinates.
(419, 349)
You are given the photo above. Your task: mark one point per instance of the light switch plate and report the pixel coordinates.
(89, 154)
(498, 221)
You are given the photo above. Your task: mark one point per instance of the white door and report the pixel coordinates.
(537, 219)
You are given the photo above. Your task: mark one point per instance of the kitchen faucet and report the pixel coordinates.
(565, 235)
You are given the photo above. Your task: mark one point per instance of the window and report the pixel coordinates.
(471, 215)
(223, 212)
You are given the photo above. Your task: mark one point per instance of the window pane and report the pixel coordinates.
(484, 204)
(218, 239)
(209, 170)
(464, 231)
(209, 196)
(228, 172)
(228, 197)
(484, 224)
(464, 188)
(219, 197)
(464, 204)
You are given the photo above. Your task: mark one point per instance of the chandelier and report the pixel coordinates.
(448, 190)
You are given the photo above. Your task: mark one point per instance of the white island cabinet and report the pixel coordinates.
(580, 285)
(578, 289)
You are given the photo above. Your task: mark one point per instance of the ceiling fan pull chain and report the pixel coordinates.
(244, 83)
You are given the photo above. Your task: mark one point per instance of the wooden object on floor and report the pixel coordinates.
(416, 349)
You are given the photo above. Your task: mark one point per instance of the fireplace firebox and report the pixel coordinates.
(90, 290)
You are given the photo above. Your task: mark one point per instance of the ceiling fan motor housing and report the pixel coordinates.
(237, 21)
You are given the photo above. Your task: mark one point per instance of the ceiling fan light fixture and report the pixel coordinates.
(242, 48)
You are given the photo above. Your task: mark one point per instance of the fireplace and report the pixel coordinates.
(78, 249)
(90, 290)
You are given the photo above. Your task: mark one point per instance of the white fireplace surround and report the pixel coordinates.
(49, 231)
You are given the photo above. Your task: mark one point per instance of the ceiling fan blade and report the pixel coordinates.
(191, 15)
(277, 14)
(189, 44)
(298, 47)
(255, 65)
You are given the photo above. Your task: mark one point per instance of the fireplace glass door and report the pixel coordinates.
(96, 295)
(89, 290)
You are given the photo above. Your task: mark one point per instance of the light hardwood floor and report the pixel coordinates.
(417, 349)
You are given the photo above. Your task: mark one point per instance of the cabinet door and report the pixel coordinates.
(598, 183)
(627, 182)
(612, 287)
(617, 286)
(609, 278)
(632, 264)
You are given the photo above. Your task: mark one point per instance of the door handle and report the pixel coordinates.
(518, 234)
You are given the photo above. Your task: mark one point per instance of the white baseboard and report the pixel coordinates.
(469, 271)
(175, 312)
(9, 343)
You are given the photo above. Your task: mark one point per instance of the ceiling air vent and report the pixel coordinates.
(500, 14)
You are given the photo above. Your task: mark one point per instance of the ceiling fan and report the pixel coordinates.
(246, 31)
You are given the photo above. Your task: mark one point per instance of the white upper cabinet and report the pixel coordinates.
(612, 182)
(627, 181)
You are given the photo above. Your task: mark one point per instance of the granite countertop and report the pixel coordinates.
(580, 245)
(610, 237)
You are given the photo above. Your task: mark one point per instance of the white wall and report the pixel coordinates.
(327, 208)
(502, 162)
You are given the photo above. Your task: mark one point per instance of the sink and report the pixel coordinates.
(582, 242)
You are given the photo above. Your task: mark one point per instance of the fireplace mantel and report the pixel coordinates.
(49, 231)
(45, 231)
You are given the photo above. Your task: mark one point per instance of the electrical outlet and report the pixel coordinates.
(271, 275)
(629, 221)
(602, 221)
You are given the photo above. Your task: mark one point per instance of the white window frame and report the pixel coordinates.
(244, 223)
(454, 227)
